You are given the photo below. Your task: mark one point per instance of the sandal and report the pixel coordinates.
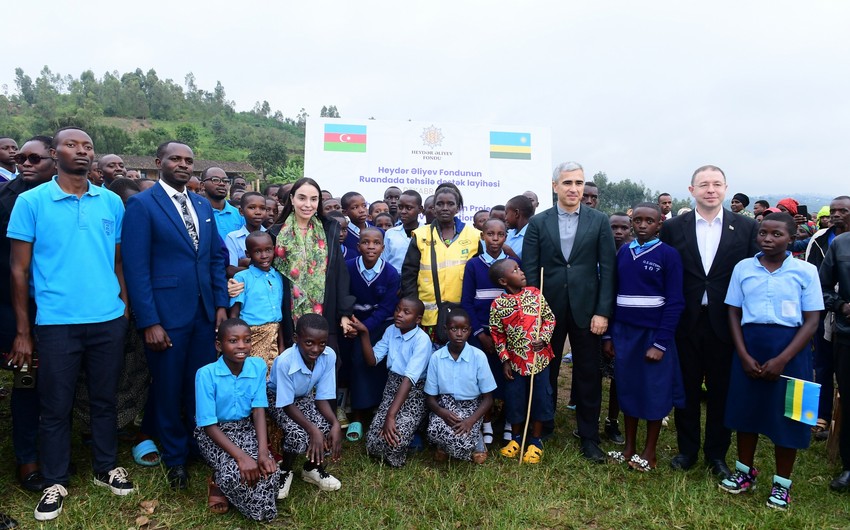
(354, 432)
(617, 457)
(639, 464)
(533, 455)
(143, 449)
(216, 501)
(511, 450)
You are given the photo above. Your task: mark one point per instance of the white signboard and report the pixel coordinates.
(488, 163)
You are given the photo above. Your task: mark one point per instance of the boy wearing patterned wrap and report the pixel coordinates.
(521, 324)
(303, 381)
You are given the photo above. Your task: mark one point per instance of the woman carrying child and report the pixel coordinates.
(230, 401)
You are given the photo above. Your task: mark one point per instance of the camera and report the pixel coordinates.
(26, 377)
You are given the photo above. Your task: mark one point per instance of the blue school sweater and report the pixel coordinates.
(376, 299)
(478, 293)
(649, 292)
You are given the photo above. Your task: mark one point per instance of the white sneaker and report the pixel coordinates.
(116, 480)
(50, 505)
(285, 484)
(321, 478)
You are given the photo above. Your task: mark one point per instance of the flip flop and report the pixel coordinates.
(354, 432)
(617, 457)
(639, 464)
(144, 448)
(216, 501)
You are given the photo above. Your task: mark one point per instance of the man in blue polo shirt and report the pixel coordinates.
(227, 217)
(63, 232)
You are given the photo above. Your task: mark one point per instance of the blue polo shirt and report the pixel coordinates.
(292, 379)
(73, 252)
(262, 297)
(407, 354)
(466, 378)
(396, 244)
(515, 239)
(777, 297)
(227, 219)
(221, 396)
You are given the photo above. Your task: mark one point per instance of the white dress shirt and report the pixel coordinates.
(708, 239)
(171, 192)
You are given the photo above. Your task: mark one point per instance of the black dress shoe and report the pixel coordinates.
(719, 468)
(682, 462)
(178, 477)
(591, 451)
(32, 482)
(841, 482)
(7, 522)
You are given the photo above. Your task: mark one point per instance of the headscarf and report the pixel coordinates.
(789, 204)
(823, 212)
(743, 199)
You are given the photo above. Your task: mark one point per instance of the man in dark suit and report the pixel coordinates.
(574, 246)
(178, 293)
(711, 241)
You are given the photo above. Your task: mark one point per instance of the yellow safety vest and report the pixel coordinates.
(451, 262)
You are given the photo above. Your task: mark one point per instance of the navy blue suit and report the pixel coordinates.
(179, 288)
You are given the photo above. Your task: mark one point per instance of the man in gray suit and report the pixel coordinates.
(574, 246)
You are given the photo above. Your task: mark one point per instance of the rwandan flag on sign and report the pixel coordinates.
(514, 145)
(348, 138)
(801, 400)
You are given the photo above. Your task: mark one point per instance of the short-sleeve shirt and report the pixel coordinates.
(778, 297)
(291, 379)
(515, 239)
(221, 396)
(465, 378)
(235, 243)
(73, 252)
(407, 354)
(396, 243)
(228, 219)
(262, 296)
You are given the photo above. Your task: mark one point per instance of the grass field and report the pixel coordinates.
(564, 492)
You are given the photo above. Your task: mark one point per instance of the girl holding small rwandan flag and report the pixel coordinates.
(774, 304)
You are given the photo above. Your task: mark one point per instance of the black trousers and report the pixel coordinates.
(587, 379)
(703, 356)
(841, 349)
(63, 350)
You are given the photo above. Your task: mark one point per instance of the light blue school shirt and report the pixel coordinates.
(396, 244)
(515, 239)
(6, 174)
(778, 297)
(406, 354)
(221, 396)
(73, 252)
(291, 379)
(227, 220)
(465, 378)
(235, 243)
(262, 296)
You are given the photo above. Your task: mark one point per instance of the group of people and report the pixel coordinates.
(260, 319)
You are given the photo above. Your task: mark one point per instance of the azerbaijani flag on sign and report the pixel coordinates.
(515, 145)
(801, 400)
(348, 138)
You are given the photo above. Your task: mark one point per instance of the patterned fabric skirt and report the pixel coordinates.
(409, 417)
(264, 343)
(440, 434)
(256, 502)
(295, 438)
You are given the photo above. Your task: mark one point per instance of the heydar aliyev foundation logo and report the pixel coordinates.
(432, 136)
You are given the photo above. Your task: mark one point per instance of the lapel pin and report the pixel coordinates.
(731, 227)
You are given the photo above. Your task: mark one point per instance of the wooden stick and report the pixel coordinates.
(531, 381)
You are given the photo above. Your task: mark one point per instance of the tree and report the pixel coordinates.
(268, 153)
(187, 134)
(24, 85)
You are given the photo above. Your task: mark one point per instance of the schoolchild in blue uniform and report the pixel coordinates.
(374, 285)
(354, 207)
(774, 304)
(458, 391)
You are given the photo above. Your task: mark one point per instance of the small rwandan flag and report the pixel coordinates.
(515, 145)
(348, 138)
(801, 400)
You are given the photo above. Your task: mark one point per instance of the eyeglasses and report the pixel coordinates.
(215, 180)
(33, 159)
